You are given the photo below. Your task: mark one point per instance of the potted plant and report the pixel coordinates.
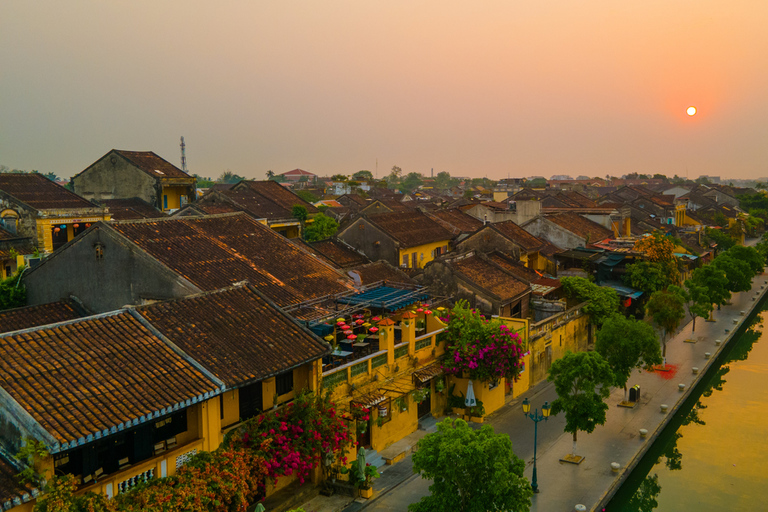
(361, 474)
(439, 385)
(419, 395)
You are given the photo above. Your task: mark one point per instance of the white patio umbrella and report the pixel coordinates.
(470, 400)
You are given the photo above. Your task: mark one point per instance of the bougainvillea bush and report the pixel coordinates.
(302, 433)
(484, 348)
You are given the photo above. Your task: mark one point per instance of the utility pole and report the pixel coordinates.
(183, 155)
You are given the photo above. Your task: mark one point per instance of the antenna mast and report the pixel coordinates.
(183, 155)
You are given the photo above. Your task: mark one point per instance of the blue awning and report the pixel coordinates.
(385, 297)
(683, 255)
(625, 291)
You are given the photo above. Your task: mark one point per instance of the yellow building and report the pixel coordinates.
(33, 206)
(406, 239)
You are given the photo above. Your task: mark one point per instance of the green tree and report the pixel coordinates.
(50, 175)
(603, 301)
(667, 308)
(339, 177)
(202, 182)
(647, 276)
(320, 228)
(471, 471)
(307, 196)
(229, 177)
(299, 212)
(723, 240)
(583, 382)
(535, 183)
(411, 182)
(762, 248)
(738, 272)
(627, 344)
(13, 294)
(443, 180)
(660, 249)
(750, 255)
(363, 176)
(270, 174)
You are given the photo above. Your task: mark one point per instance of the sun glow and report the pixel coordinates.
(691, 111)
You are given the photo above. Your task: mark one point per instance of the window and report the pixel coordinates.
(405, 260)
(251, 400)
(9, 223)
(284, 383)
(414, 260)
(165, 202)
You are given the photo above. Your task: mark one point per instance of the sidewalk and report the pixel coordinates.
(592, 482)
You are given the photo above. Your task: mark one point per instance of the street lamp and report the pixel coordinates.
(536, 419)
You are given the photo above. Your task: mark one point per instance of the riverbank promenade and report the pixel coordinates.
(564, 485)
(592, 482)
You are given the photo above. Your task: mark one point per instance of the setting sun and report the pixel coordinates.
(691, 111)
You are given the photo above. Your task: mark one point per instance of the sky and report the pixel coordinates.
(488, 88)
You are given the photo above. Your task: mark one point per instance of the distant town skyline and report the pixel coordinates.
(494, 89)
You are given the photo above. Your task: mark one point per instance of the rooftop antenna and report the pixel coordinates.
(183, 155)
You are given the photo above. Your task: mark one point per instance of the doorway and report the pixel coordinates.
(425, 407)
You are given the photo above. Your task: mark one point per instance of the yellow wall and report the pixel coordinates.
(425, 250)
(174, 197)
(493, 399)
(44, 226)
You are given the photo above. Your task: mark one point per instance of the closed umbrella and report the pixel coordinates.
(470, 400)
(361, 464)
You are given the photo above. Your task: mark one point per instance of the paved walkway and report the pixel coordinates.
(591, 483)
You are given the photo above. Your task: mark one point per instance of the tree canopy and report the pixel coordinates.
(320, 228)
(229, 177)
(713, 283)
(411, 182)
(723, 240)
(603, 301)
(582, 381)
(737, 272)
(627, 344)
(299, 212)
(659, 249)
(12, 293)
(647, 276)
(471, 471)
(667, 308)
(363, 176)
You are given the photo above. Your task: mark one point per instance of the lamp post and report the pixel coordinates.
(536, 419)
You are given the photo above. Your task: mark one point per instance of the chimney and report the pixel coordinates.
(485, 219)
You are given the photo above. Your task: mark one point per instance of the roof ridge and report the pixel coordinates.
(172, 218)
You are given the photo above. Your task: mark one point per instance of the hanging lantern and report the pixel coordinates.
(63, 226)
(427, 312)
(56, 230)
(352, 337)
(88, 225)
(628, 302)
(77, 225)
(359, 322)
(374, 329)
(383, 410)
(420, 310)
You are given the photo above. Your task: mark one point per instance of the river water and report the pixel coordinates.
(713, 456)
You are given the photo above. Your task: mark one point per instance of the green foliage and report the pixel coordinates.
(202, 182)
(749, 201)
(647, 276)
(361, 477)
(411, 182)
(582, 381)
(299, 212)
(471, 471)
(363, 176)
(627, 344)
(443, 180)
(723, 240)
(667, 308)
(696, 299)
(762, 248)
(603, 301)
(738, 272)
(750, 255)
(229, 177)
(33, 451)
(713, 281)
(13, 294)
(535, 183)
(307, 196)
(645, 498)
(320, 228)
(339, 177)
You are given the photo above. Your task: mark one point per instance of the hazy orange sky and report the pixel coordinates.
(488, 88)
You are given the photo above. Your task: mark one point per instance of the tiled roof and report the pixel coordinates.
(521, 237)
(581, 226)
(395, 205)
(411, 228)
(256, 204)
(381, 271)
(34, 316)
(338, 253)
(214, 252)
(495, 205)
(10, 486)
(490, 277)
(7, 235)
(247, 339)
(456, 221)
(513, 266)
(39, 192)
(215, 208)
(130, 209)
(276, 193)
(87, 376)
(150, 163)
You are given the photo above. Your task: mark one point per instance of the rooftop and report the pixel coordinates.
(130, 209)
(41, 193)
(248, 339)
(381, 271)
(152, 164)
(581, 226)
(456, 221)
(521, 237)
(276, 193)
(490, 277)
(411, 228)
(34, 316)
(338, 253)
(217, 251)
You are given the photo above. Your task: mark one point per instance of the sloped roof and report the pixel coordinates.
(10, 485)
(150, 163)
(214, 252)
(581, 226)
(456, 221)
(256, 204)
(39, 192)
(248, 338)
(338, 253)
(521, 237)
(34, 316)
(411, 228)
(276, 193)
(91, 375)
(298, 172)
(490, 277)
(381, 271)
(133, 208)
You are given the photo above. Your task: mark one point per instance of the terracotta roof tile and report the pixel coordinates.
(456, 221)
(581, 226)
(338, 253)
(381, 271)
(513, 266)
(150, 163)
(411, 228)
(256, 204)
(79, 378)
(247, 339)
(521, 237)
(490, 277)
(34, 316)
(10, 486)
(131, 209)
(39, 192)
(214, 252)
(276, 193)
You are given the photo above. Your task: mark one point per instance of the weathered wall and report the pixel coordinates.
(553, 233)
(114, 177)
(371, 241)
(487, 240)
(124, 275)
